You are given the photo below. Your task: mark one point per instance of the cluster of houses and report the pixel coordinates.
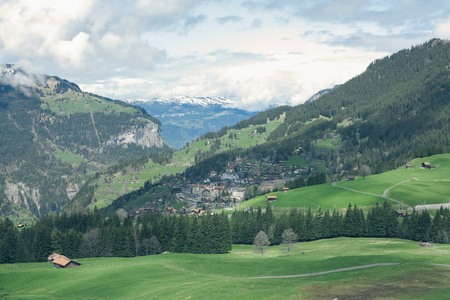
(226, 188)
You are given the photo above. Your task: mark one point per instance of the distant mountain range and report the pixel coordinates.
(184, 119)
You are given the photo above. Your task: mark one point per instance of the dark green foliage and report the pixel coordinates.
(87, 235)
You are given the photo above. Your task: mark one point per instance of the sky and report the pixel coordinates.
(258, 53)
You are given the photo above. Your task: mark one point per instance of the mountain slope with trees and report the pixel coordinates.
(53, 135)
(396, 110)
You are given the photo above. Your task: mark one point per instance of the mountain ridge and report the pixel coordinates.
(54, 135)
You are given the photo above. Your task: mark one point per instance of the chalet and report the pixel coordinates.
(351, 177)
(426, 165)
(20, 225)
(408, 167)
(400, 213)
(64, 262)
(60, 261)
(271, 198)
(285, 189)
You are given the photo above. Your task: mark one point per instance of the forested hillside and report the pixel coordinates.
(396, 110)
(53, 136)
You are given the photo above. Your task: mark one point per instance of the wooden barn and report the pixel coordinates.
(351, 177)
(60, 261)
(64, 262)
(427, 165)
(271, 198)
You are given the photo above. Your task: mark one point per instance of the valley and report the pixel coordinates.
(192, 149)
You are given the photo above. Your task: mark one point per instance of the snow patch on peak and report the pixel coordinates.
(203, 101)
(16, 76)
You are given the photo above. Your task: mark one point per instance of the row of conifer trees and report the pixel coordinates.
(91, 235)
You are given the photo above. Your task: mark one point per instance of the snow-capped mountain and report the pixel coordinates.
(183, 119)
(203, 101)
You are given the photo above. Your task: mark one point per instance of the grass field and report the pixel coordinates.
(414, 186)
(230, 276)
(72, 102)
(324, 196)
(380, 182)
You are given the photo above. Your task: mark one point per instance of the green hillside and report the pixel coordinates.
(412, 186)
(396, 110)
(415, 272)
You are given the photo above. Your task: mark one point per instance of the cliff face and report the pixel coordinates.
(147, 135)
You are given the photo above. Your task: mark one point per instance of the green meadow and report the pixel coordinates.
(377, 184)
(324, 196)
(72, 102)
(419, 273)
(414, 186)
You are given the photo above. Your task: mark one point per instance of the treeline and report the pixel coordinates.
(381, 221)
(301, 181)
(88, 235)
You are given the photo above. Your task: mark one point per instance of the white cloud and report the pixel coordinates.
(442, 29)
(257, 52)
(74, 52)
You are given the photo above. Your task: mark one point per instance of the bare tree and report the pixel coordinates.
(122, 214)
(364, 170)
(90, 247)
(289, 237)
(261, 242)
(154, 245)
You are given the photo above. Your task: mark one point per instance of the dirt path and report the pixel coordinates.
(387, 190)
(372, 194)
(328, 272)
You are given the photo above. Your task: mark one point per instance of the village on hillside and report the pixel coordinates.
(239, 182)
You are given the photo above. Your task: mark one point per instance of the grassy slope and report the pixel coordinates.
(431, 185)
(184, 276)
(72, 102)
(324, 196)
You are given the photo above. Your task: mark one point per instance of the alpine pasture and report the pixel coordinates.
(409, 272)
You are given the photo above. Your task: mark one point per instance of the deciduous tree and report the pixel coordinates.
(261, 242)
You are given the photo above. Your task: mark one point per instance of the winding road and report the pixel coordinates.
(328, 272)
(382, 196)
